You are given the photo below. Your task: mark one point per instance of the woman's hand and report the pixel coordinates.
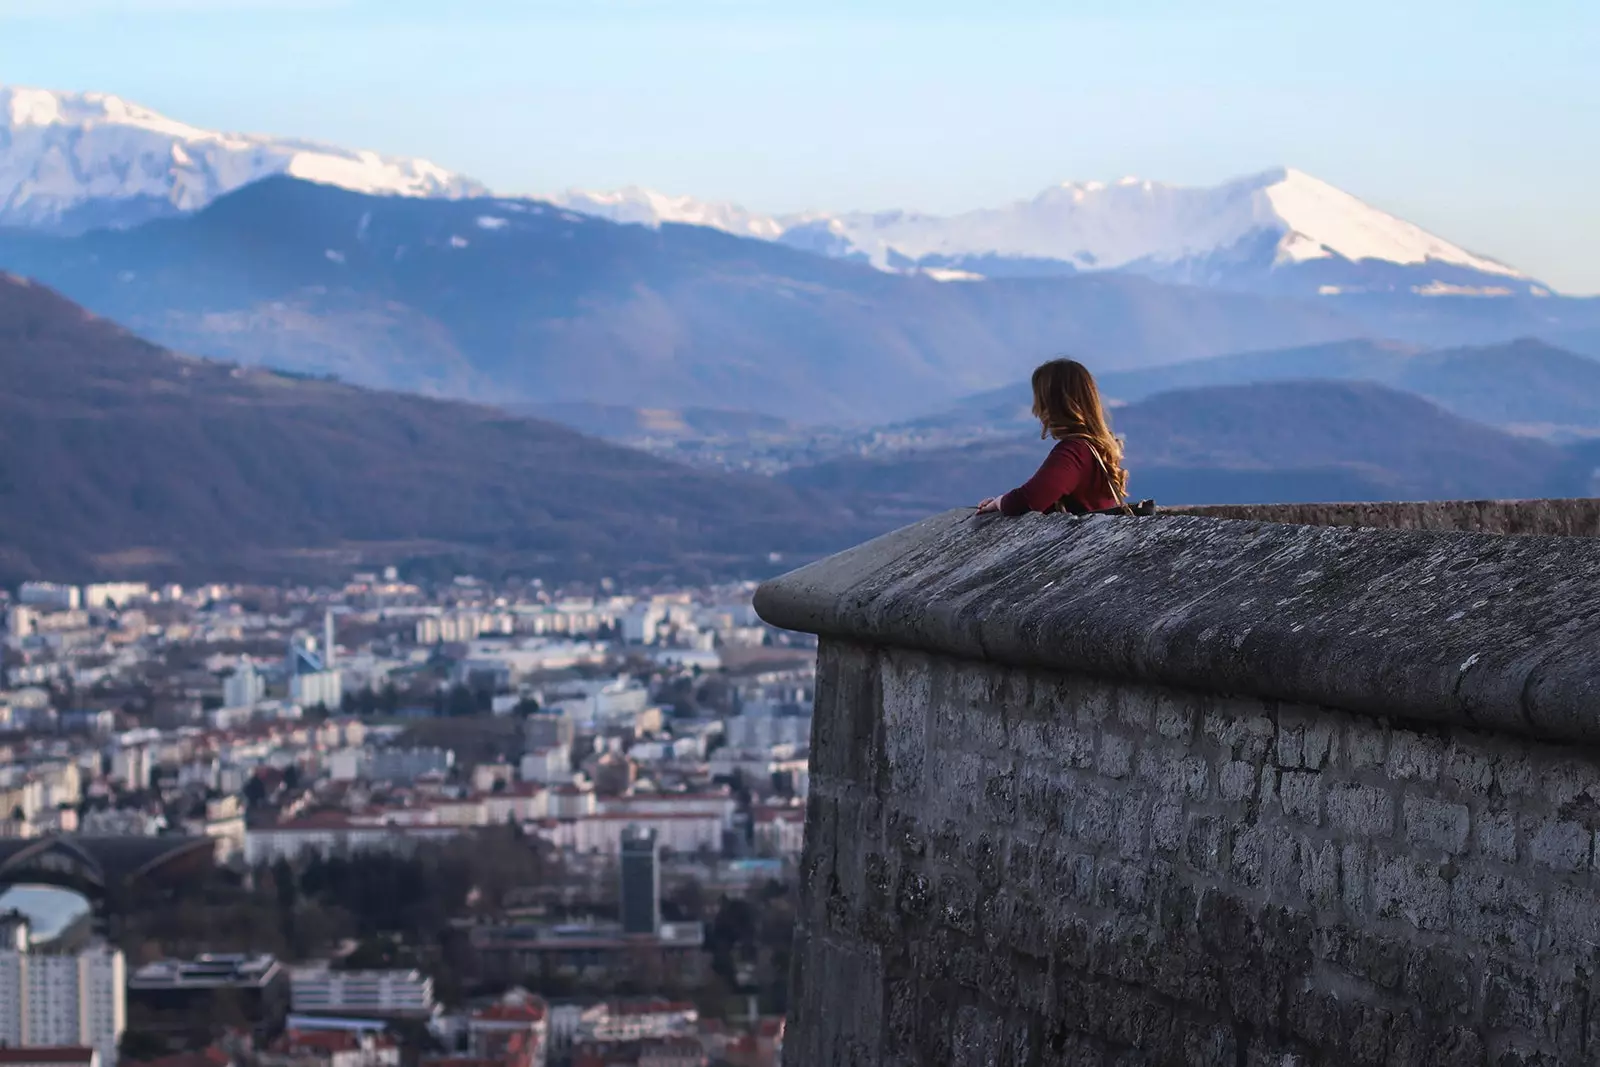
(992, 504)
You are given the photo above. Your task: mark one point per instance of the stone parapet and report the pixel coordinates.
(1183, 790)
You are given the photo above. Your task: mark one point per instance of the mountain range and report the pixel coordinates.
(518, 302)
(1279, 231)
(395, 273)
(119, 457)
(73, 161)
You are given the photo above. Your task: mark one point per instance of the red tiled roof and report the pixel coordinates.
(531, 1012)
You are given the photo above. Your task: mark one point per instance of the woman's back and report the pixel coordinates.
(1083, 471)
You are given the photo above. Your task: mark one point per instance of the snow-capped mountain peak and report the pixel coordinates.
(72, 160)
(1279, 229)
(1323, 220)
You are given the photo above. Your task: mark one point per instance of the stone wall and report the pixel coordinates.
(1188, 791)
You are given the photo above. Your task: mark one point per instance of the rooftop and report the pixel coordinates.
(46, 1054)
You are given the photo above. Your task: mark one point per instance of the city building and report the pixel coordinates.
(49, 595)
(541, 730)
(641, 881)
(330, 833)
(311, 681)
(405, 765)
(186, 997)
(331, 1048)
(65, 997)
(547, 766)
(114, 594)
(516, 951)
(518, 1020)
(322, 990)
(244, 687)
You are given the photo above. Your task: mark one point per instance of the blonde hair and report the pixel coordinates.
(1067, 403)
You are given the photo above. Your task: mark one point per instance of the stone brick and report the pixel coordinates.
(1174, 721)
(1514, 775)
(1116, 755)
(1573, 916)
(1563, 846)
(906, 696)
(1497, 835)
(975, 1038)
(1469, 768)
(1413, 890)
(1135, 708)
(1301, 795)
(1166, 826)
(1413, 755)
(1354, 871)
(1022, 857)
(1095, 812)
(1434, 823)
(1000, 793)
(1291, 737)
(1365, 743)
(1439, 980)
(1236, 781)
(1496, 911)
(1256, 739)
(1317, 748)
(1120, 886)
(1512, 997)
(1363, 810)
(1203, 842)
(1319, 875)
(1565, 780)
(1133, 826)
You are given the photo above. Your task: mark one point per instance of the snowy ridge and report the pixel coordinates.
(1253, 225)
(77, 159)
(650, 208)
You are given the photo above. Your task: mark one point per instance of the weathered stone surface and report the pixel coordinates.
(1520, 518)
(1054, 828)
(1389, 622)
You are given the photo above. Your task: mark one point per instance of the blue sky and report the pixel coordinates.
(1478, 120)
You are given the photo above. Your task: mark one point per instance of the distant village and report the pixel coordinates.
(470, 824)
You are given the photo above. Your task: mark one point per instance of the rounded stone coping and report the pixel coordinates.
(1567, 517)
(1469, 629)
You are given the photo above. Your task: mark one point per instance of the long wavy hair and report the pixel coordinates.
(1067, 404)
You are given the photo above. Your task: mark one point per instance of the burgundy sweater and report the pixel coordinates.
(1069, 470)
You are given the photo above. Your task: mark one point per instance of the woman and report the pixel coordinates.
(1083, 472)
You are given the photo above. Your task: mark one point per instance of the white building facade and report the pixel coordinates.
(392, 992)
(62, 999)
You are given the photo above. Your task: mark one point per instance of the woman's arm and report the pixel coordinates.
(1062, 472)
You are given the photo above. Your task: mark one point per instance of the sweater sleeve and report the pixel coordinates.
(1062, 472)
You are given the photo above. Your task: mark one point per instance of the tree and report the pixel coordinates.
(255, 792)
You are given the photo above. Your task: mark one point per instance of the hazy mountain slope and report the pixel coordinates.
(617, 423)
(1284, 441)
(518, 302)
(77, 160)
(1526, 384)
(117, 457)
